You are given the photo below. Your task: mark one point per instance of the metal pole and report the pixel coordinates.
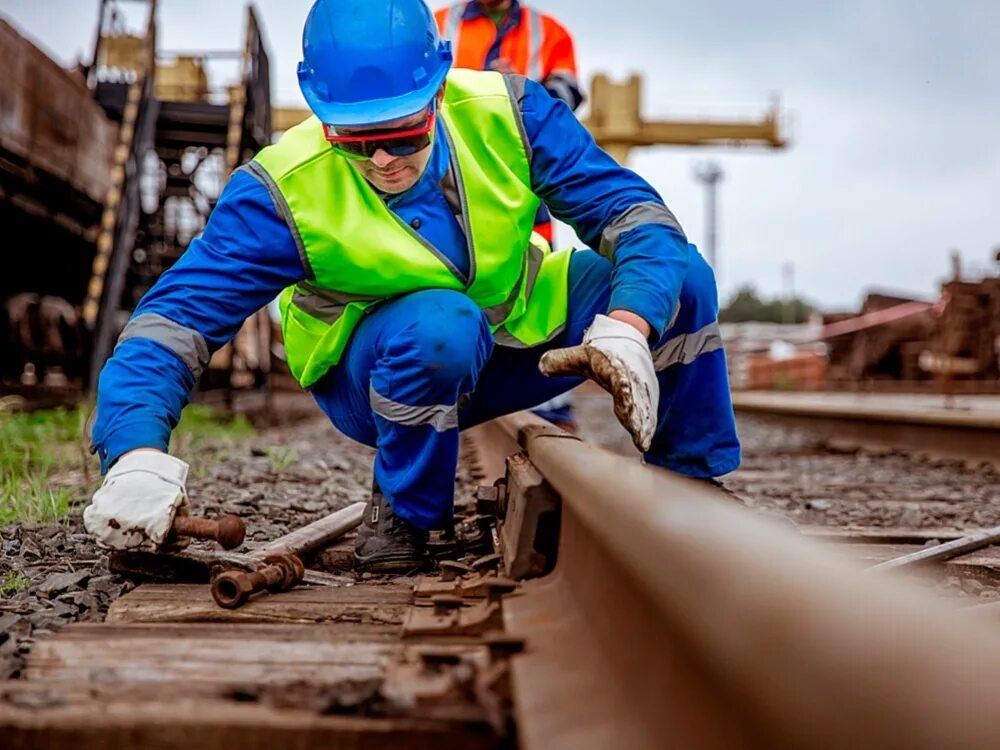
(945, 551)
(710, 175)
(788, 284)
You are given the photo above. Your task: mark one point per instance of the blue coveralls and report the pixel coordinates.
(423, 366)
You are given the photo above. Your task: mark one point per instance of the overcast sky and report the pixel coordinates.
(893, 113)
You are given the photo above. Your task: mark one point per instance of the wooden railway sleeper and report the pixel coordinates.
(486, 681)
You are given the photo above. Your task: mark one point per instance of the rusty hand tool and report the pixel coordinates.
(280, 572)
(196, 565)
(317, 534)
(228, 531)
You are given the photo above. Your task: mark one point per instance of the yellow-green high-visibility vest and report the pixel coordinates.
(358, 253)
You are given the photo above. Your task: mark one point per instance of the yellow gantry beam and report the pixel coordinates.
(695, 133)
(617, 125)
(282, 118)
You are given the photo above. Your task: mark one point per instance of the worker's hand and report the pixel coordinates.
(135, 506)
(616, 356)
(501, 65)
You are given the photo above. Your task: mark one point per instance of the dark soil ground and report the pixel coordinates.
(814, 482)
(818, 483)
(297, 468)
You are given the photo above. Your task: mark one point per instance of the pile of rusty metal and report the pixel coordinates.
(468, 555)
(883, 341)
(953, 342)
(235, 577)
(967, 339)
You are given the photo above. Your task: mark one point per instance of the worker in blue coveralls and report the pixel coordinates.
(510, 37)
(396, 224)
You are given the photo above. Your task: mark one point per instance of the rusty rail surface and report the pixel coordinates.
(676, 618)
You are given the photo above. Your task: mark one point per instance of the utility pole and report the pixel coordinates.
(709, 173)
(788, 288)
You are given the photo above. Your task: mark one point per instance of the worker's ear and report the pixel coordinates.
(439, 97)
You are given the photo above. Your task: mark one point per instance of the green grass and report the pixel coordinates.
(36, 446)
(204, 436)
(33, 447)
(40, 440)
(200, 423)
(32, 500)
(11, 583)
(281, 458)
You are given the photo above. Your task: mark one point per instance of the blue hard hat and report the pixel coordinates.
(371, 61)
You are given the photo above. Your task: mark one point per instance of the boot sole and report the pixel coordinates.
(401, 565)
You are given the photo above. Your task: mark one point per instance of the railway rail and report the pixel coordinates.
(651, 611)
(961, 427)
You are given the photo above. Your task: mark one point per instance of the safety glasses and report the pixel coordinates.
(363, 144)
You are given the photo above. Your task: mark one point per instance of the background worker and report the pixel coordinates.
(509, 37)
(398, 222)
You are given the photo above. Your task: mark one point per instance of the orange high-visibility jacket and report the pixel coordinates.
(535, 44)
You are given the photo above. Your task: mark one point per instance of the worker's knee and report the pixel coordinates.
(445, 338)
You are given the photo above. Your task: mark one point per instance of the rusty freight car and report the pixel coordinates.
(56, 147)
(107, 172)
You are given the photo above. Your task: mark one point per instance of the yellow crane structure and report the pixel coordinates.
(617, 124)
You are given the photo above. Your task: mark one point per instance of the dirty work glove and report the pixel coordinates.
(615, 356)
(135, 506)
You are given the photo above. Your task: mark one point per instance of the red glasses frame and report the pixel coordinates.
(364, 144)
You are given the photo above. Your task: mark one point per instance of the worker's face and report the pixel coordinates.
(388, 173)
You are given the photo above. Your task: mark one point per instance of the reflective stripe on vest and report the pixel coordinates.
(362, 254)
(535, 43)
(324, 304)
(328, 306)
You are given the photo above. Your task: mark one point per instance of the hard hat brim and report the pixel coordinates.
(375, 111)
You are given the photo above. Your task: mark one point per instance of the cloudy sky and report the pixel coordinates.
(892, 109)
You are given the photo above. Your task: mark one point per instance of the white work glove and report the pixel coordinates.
(135, 506)
(615, 356)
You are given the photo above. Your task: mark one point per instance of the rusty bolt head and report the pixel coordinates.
(501, 485)
(498, 586)
(487, 562)
(446, 603)
(432, 658)
(487, 500)
(452, 569)
(232, 532)
(292, 570)
(500, 644)
(231, 589)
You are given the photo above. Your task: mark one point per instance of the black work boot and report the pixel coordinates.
(386, 543)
